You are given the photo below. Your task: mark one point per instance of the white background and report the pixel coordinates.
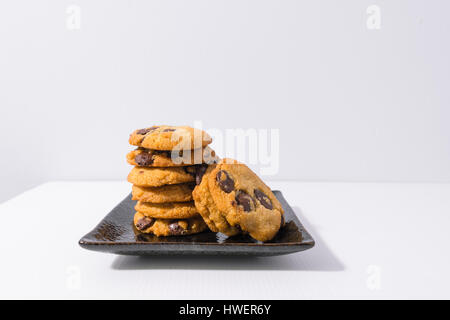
(351, 104)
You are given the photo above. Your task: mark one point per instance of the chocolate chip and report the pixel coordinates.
(144, 159)
(144, 223)
(176, 229)
(263, 199)
(244, 199)
(224, 181)
(169, 130)
(146, 130)
(199, 174)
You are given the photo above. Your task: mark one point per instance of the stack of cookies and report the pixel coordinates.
(166, 163)
(182, 188)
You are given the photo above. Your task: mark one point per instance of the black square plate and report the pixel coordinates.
(116, 234)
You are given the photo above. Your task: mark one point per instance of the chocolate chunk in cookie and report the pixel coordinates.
(146, 130)
(144, 223)
(263, 199)
(224, 181)
(245, 200)
(144, 159)
(176, 229)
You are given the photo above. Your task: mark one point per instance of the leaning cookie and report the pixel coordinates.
(170, 137)
(157, 158)
(214, 218)
(169, 193)
(169, 227)
(176, 210)
(245, 200)
(156, 177)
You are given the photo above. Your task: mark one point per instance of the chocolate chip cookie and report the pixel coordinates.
(170, 137)
(175, 210)
(156, 177)
(169, 193)
(214, 218)
(241, 199)
(157, 158)
(169, 227)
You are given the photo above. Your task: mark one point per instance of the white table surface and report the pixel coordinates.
(372, 241)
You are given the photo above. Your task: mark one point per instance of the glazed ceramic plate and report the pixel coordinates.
(116, 234)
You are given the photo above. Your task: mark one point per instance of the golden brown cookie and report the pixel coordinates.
(170, 137)
(205, 205)
(245, 199)
(156, 177)
(157, 158)
(169, 227)
(175, 210)
(236, 197)
(168, 193)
